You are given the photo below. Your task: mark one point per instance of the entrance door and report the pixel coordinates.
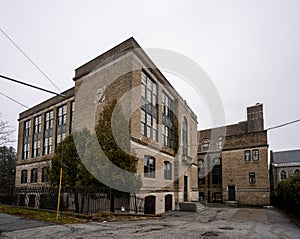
(168, 202)
(231, 193)
(149, 207)
(185, 190)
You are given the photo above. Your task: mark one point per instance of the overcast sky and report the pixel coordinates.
(250, 50)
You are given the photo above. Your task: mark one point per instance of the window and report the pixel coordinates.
(201, 172)
(252, 178)
(37, 128)
(217, 172)
(296, 171)
(217, 197)
(149, 108)
(44, 174)
(167, 170)
(255, 154)
(48, 133)
(61, 123)
(247, 155)
(167, 121)
(184, 137)
(149, 167)
(283, 175)
(34, 175)
(72, 116)
(167, 136)
(220, 142)
(205, 145)
(26, 139)
(24, 176)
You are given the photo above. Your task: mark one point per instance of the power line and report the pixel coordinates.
(285, 124)
(14, 100)
(33, 86)
(28, 58)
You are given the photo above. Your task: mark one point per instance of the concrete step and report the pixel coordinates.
(192, 206)
(200, 207)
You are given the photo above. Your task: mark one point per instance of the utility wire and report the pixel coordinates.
(14, 100)
(28, 58)
(33, 86)
(285, 124)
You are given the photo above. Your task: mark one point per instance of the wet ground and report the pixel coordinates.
(215, 223)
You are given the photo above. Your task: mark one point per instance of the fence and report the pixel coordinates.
(84, 200)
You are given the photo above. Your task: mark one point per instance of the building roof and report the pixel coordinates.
(286, 157)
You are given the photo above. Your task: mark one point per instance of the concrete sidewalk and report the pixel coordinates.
(211, 223)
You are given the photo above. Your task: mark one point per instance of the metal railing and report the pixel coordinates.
(84, 200)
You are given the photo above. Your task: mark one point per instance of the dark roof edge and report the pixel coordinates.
(47, 103)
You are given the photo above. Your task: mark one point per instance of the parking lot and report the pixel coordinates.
(212, 223)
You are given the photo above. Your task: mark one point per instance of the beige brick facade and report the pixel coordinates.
(112, 76)
(244, 163)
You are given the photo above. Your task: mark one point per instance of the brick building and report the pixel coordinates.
(160, 120)
(234, 167)
(283, 164)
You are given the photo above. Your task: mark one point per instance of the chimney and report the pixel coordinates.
(255, 118)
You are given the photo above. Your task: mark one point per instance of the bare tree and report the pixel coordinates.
(6, 132)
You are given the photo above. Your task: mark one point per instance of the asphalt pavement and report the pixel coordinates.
(215, 223)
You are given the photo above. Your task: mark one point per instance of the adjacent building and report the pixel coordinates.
(162, 126)
(233, 168)
(283, 164)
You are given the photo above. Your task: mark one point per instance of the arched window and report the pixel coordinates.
(24, 176)
(149, 166)
(217, 171)
(34, 175)
(44, 174)
(296, 171)
(167, 170)
(220, 142)
(283, 175)
(184, 137)
(205, 144)
(201, 172)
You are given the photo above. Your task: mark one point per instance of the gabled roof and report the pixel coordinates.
(291, 156)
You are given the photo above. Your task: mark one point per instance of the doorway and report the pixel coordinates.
(149, 207)
(231, 193)
(185, 189)
(168, 202)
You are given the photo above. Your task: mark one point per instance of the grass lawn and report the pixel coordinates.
(39, 215)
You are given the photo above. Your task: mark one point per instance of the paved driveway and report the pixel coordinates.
(212, 223)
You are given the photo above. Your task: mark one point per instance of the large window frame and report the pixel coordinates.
(184, 137)
(167, 121)
(217, 172)
(72, 116)
(24, 176)
(36, 142)
(61, 123)
(149, 108)
(201, 172)
(149, 166)
(167, 170)
(48, 130)
(26, 139)
(283, 175)
(44, 178)
(34, 175)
